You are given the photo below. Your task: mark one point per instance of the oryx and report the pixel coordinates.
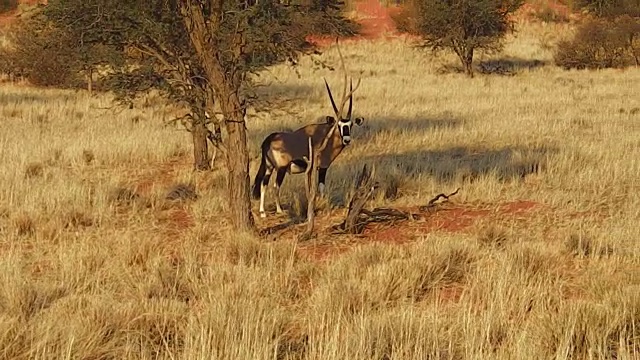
(286, 151)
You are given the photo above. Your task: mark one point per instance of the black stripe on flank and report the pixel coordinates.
(300, 163)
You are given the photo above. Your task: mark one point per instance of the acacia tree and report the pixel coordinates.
(198, 53)
(462, 26)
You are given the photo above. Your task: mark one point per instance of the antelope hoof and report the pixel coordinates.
(263, 214)
(279, 211)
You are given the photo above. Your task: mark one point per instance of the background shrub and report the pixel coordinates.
(41, 55)
(608, 8)
(602, 43)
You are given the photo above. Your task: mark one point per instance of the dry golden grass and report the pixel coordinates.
(100, 259)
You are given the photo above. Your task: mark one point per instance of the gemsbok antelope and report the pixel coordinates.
(289, 151)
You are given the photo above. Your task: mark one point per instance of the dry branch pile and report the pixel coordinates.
(358, 217)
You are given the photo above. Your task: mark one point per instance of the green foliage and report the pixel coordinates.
(50, 55)
(31, 54)
(144, 44)
(602, 43)
(459, 25)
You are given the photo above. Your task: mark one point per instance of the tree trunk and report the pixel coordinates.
(311, 185)
(90, 81)
(467, 61)
(226, 85)
(238, 182)
(201, 161)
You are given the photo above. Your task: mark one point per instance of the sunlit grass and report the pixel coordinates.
(96, 262)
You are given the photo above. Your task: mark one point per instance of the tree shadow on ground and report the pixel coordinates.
(9, 98)
(451, 165)
(454, 165)
(374, 129)
(381, 127)
(507, 66)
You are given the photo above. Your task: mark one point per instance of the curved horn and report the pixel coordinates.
(333, 103)
(350, 99)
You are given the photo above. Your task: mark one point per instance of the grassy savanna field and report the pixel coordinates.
(537, 257)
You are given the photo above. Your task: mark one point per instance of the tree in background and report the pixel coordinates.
(608, 39)
(196, 53)
(462, 26)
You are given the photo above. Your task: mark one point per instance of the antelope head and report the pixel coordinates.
(345, 122)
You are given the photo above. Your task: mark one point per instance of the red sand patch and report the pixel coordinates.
(163, 175)
(451, 219)
(175, 221)
(375, 20)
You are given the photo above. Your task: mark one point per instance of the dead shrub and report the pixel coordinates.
(180, 192)
(602, 43)
(493, 237)
(75, 219)
(448, 268)
(123, 196)
(24, 225)
(88, 156)
(581, 246)
(34, 170)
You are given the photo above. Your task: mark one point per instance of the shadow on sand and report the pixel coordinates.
(7, 98)
(453, 165)
(397, 126)
(373, 128)
(507, 66)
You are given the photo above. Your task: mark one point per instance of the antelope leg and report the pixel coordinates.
(322, 175)
(263, 191)
(279, 179)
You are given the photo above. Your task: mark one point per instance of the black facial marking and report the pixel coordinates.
(346, 130)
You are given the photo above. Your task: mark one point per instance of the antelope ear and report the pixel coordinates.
(359, 121)
(330, 120)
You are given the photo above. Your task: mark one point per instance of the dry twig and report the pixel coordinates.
(432, 202)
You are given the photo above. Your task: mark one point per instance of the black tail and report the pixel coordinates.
(257, 182)
(259, 176)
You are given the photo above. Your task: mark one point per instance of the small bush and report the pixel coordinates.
(182, 192)
(602, 43)
(33, 170)
(24, 225)
(123, 196)
(88, 156)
